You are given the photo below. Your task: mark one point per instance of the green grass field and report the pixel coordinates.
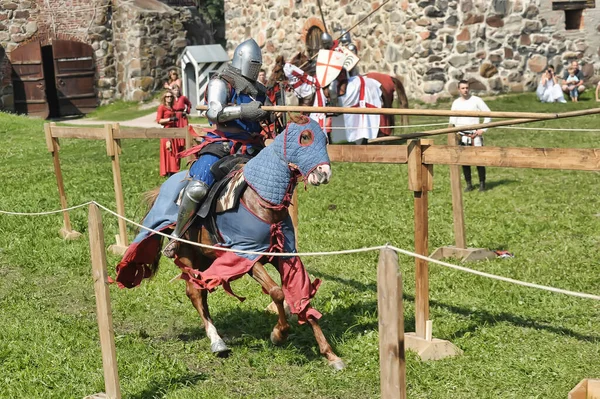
(517, 342)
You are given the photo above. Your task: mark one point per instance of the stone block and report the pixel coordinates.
(31, 27)
(524, 40)
(432, 87)
(464, 47)
(495, 21)
(471, 19)
(433, 12)
(464, 35)
(452, 88)
(531, 12)
(476, 85)
(537, 63)
(458, 60)
(508, 53)
(571, 55)
(18, 37)
(532, 26)
(501, 7)
(10, 6)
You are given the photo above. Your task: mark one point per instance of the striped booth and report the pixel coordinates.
(198, 65)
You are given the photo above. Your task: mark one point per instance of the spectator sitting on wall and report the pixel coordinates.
(173, 80)
(548, 90)
(578, 74)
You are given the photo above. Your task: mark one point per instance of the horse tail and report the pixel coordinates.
(149, 197)
(402, 99)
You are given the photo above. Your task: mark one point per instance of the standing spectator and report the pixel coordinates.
(578, 74)
(167, 117)
(549, 91)
(182, 106)
(262, 77)
(173, 80)
(572, 82)
(598, 92)
(467, 102)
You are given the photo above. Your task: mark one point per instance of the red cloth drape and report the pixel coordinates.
(169, 163)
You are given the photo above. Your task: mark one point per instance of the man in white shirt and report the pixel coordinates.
(467, 102)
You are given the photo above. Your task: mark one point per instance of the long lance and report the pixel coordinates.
(457, 129)
(353, 26)
(421, 112)
(322, 16)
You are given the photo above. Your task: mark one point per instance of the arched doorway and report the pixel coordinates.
(58, 79)
(313, 40)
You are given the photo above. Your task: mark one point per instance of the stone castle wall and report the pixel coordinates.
(499, 45)
(135, 43)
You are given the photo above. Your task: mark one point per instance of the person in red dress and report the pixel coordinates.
(182, 106)
(167, 117)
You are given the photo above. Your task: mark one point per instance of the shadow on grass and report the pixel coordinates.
(158, 388)
(491, 184)
(479, 317)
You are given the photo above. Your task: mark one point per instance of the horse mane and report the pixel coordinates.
(302, 61)
(277, 74)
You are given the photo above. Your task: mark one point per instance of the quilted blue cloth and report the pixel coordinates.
(269, 172)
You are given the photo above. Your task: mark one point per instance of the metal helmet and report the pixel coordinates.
(326, 41)
(352, 47)
(247, 58)
(345, 37)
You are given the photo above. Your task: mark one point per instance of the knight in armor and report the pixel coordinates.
(234, 99)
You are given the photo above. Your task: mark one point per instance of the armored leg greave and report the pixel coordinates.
(190, 202)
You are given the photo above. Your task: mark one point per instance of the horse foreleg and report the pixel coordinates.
(334, 361)
(282, 328)
(199, 299)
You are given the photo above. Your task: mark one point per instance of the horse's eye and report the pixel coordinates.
(306, 138)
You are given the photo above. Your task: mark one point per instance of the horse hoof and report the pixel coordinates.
(220, 349)
(338, 365)
(278, 338)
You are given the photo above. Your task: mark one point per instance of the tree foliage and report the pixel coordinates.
(212, 10)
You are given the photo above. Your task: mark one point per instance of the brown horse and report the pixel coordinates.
(299, 152)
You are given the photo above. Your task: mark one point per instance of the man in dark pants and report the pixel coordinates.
(468, 102)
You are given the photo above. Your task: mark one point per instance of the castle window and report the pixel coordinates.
(573, 10)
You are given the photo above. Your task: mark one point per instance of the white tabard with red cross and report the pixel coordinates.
(362, 92)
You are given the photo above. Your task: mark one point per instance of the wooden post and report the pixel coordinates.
(52, 144)
(103, 308)
(391, 327)
(458, 215)
(113, 149)
(418, 182)
(459, 250)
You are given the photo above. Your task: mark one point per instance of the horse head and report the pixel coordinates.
(303, 146)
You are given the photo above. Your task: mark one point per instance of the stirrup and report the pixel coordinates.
(170, 249)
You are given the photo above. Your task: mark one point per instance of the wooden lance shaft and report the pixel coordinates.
(402, 111)
(483, 126)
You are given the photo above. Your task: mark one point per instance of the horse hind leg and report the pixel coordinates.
(324, 348)
(281, 330)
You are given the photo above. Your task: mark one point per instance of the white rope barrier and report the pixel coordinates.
(45, 213)
(328, 253)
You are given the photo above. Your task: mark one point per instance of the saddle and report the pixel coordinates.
(225, 194)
